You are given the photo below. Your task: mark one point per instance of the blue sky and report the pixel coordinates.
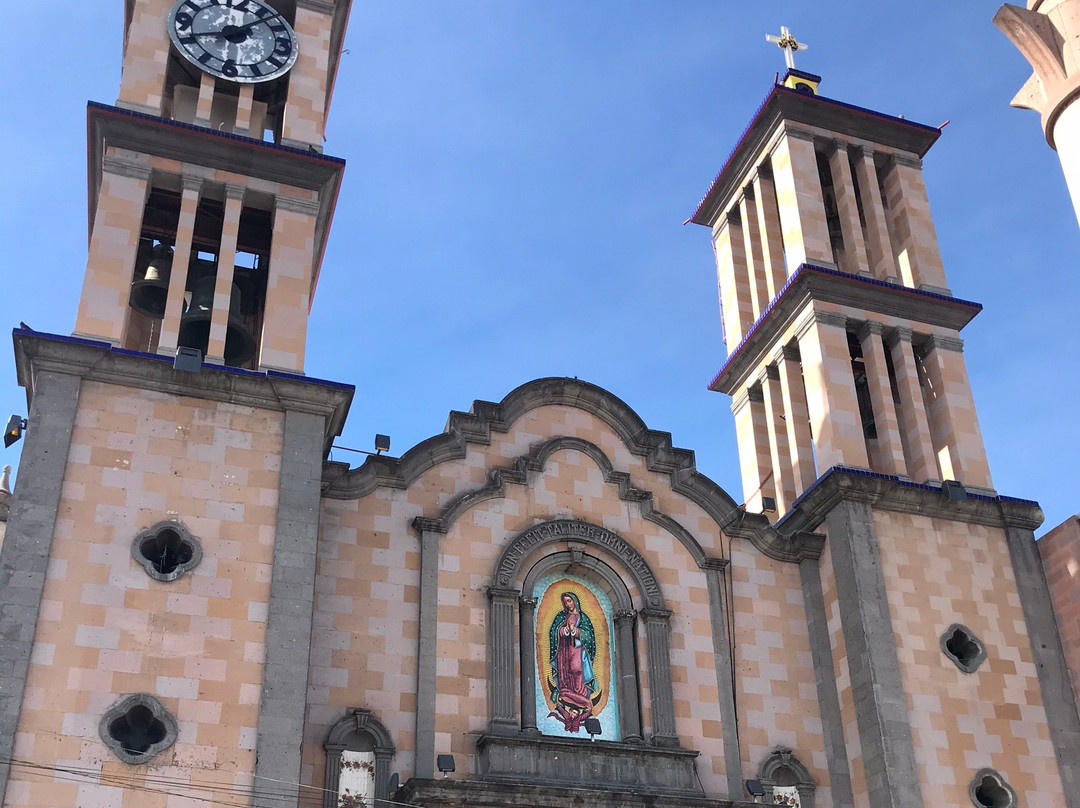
(518, 174)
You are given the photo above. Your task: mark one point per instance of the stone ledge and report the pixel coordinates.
(455, 793)
(533, 759)
(889, 493)
(93, 360)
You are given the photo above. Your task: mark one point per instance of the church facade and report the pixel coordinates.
(546, 604)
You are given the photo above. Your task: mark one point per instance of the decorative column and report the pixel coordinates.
(755, 261)
(289, 284)
(800, 441)
(226, 265)
(185, 231)
(527, 644)
(878, 245)
(427, 645)
(954, 425)
(890, 450)
(847, 207)
(725, 687)
(305, 109)
(753, 438)
(772, 242)
(658, 647)
(504, 720)
(114, 243)
(801, 200)
(773, 404)
(830, 391)
(733, 277)
(626, 671)
(912, 226)
(914, 428)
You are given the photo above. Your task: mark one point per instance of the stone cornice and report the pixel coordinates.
(787, 109)
(884, 492)
(810, 284)
(101, 362)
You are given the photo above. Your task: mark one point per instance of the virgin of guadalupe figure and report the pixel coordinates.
(574, 689)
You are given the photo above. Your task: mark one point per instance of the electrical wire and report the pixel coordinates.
(222, 794)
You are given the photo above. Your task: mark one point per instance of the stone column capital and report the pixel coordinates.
(906, 160)
(235, 191)
(651, 615)
(624, 616)
(868, 329)
(125, 167)
(945, 342)
(191, 182)
(499, 594)
(898, 334)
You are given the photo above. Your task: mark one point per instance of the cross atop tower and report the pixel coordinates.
(788, 44)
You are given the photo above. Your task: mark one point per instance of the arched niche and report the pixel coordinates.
(522, 563)
(358, 731)
(782, 773)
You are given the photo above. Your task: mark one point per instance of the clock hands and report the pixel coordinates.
(230, 31)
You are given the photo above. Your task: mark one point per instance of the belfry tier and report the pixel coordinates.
(210, 201)
(843, 335)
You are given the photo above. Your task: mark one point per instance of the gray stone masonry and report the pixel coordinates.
(1057, 692)
(460, 793)
(832, 723)
(288, 621)
(892, 779)
(25, 553)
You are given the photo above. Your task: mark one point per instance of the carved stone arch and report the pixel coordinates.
(506, 597)
(577, 562)
(358, 731)
(783, 769)
(508, 567)
(541, 453)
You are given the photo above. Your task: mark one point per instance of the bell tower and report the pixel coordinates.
(842, 333)
(855, 420)
(157, 572)
(210, 198)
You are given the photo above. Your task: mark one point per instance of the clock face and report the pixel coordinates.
(239, 40)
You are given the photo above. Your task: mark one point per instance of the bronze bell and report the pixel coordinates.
(148, 295)
(195, 324)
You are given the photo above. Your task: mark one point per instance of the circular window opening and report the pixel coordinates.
(961, 646)
(137, 728)
(166, 551)
(989, 790)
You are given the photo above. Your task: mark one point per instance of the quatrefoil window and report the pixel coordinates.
(137, 728)
(166, 551)
(960, 645)
(989, 790)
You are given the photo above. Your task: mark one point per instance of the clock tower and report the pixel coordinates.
(176, 426)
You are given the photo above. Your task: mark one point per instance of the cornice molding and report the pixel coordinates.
(888, 493)
(101, 362)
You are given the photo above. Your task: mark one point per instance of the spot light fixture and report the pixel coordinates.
(755, 789)
(445, 764)
(14, 429)
(592, 726)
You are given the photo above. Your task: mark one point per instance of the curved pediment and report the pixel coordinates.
(484, 418)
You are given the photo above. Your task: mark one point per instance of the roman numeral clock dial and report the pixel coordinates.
(240, 40)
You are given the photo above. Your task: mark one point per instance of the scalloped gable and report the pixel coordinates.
(476, 427)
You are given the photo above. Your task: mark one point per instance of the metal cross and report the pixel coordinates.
(788, 44)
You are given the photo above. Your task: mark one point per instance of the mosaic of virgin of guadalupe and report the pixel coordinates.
(574, 656)
(572, 643)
